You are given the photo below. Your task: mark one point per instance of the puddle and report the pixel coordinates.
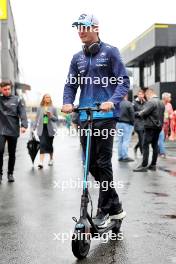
(170, 216)
(158, 194)
(154, 184)
(170, 172)
(172, 259)
(159, 203)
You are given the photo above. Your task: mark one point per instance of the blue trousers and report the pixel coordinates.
(124, 139)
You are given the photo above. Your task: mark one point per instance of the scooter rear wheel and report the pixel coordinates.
(80, 246)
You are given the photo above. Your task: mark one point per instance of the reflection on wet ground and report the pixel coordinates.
(158, 194)
(170, 172)
(170, 216)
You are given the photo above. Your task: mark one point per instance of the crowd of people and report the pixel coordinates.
(145, 125)
(151, 126)
(152, 120)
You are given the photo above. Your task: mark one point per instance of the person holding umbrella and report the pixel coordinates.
(46, 125)
(13, 120)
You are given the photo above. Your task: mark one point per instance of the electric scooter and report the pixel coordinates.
(85, 229)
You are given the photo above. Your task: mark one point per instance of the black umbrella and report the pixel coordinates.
(33, 146)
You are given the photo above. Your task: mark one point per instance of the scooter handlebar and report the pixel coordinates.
(89, 109)
(96, 108)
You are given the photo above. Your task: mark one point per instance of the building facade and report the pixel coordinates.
(9, 66)
(9, 69)
(152, 59)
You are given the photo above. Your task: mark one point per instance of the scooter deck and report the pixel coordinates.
(114, 223)
(94, 229)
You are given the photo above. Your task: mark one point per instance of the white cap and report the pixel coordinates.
(87, 20)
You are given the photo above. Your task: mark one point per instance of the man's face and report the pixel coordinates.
(167, 99)
(140, 95)
(87, 34)
(6, 90)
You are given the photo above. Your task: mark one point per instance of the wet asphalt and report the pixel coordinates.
(36, 211)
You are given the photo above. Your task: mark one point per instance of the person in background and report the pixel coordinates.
(126, 125)
(13, 120)
(173, 126)
(46, 125)
(164, 134)
(166, 98)
(139, 104)
(68, 120)
(153, 115)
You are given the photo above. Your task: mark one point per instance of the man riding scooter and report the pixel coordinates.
(91, 67)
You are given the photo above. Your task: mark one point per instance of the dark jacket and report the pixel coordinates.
(90, 73)
(126, 112)
(138, 121)
(153, 113)
(12, 115)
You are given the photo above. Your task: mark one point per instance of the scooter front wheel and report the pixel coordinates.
(80, 245)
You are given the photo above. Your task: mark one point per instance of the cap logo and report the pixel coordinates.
(82, 17)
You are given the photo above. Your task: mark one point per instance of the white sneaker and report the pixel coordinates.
(102, 220)
(50, 163)
(118, 216)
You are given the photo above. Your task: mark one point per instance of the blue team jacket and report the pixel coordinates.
(101, 78)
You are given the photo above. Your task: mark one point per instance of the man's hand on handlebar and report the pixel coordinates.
(106, 106)
(67, 108)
